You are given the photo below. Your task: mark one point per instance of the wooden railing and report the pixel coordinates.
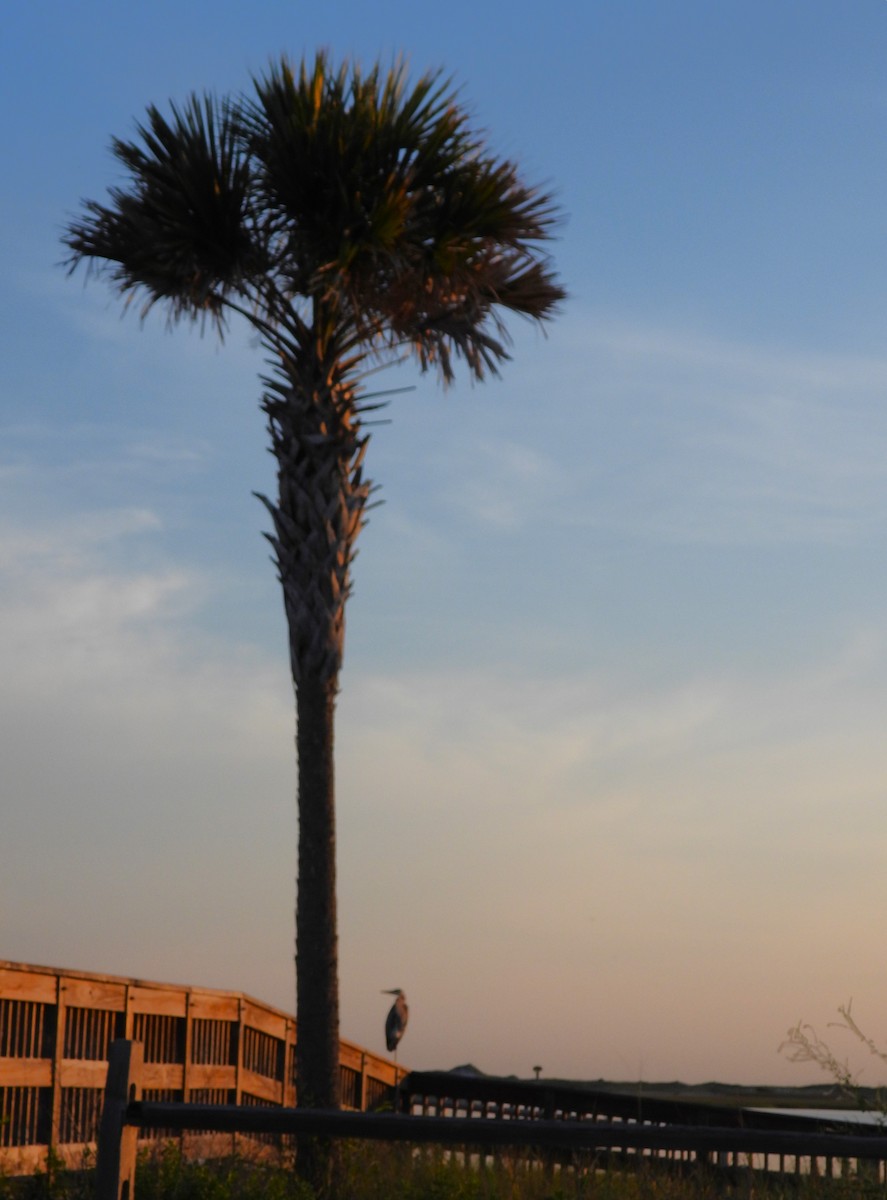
(200, 1046)
(221, 1061)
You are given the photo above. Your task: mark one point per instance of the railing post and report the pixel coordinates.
(58, 1053)
(116, 1152)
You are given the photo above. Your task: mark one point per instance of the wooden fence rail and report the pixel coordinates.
(569, 1141)
(199, 1046)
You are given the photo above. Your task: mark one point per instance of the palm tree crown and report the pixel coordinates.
(349, 217)
(371, 200)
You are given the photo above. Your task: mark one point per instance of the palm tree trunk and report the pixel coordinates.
(318, 444)
(317, 1043)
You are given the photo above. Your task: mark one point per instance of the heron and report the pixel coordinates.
(396, 1021)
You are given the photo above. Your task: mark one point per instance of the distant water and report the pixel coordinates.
(846, 1115)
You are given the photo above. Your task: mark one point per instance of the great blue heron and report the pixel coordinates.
(396, 1021)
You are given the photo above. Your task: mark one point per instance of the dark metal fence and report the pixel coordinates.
(500, 1116)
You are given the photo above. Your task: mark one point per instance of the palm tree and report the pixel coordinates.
(351, 218)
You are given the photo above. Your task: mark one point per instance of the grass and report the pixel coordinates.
(378, 1172)
(398, 1173)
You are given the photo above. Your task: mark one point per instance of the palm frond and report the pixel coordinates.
(179, 231)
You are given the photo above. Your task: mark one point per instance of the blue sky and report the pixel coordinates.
(610, 742)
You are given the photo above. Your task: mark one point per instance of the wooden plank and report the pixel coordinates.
(53, 972)
(78, 1156)
(167, 1002)
(263, 1088)
(189, 1045)
(289, 1091)
(27, 985)
(362, 1086)
(350, 1056)
(264, 1019)
(239, 1051)
(211, 1006)
(382, 1068)
(76, 1073)
(163, 1075)
(269, 1008)
(18, 976)
(210, 1076)
(91, 993)
(25, 1072)
(23, 1160)
(57, 1050)
(384, 1072)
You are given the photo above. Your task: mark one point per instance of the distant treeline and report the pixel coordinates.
(817, 1095)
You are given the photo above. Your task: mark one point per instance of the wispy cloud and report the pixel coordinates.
(659, 434)
(703, 440)
(49, 548)
(504, 483)
(127, 734)
(166, 451)
(484, 739)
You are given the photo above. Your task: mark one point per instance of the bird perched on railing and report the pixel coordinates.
(396, 1021)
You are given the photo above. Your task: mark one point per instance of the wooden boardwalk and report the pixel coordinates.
(201, 1046)
(211, 1050)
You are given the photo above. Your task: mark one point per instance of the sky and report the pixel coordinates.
(610, 740)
